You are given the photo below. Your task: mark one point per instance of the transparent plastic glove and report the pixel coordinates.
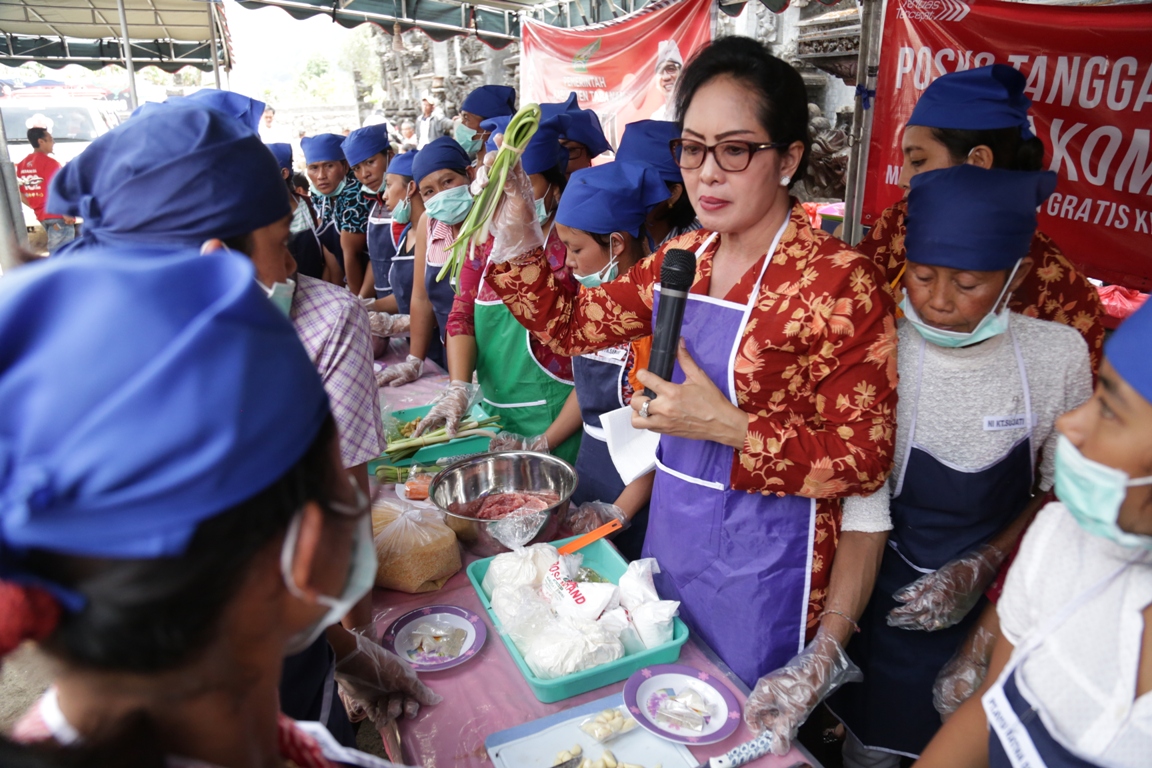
(384, 324)
(380, 683)
(367, 301)
(963, 674)
(510, 441)
(939, 599)
(591, 515)
(514, 225)
(782, 700)
(449, 408)
(481, 180)
(401, 373)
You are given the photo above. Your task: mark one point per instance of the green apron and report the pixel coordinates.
(525, 396)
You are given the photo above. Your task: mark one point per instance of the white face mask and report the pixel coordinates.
(361, 572)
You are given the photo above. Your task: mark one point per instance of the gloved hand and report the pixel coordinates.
(510, 441)
(591, 515)
(516, 229)
(400, 373)
(963, 674)
(450, 406)
(385, 325)
(379, 682)
(940, 599)
(782, 700)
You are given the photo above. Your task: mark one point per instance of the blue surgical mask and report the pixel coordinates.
(606, 275)
(1093, 493)
(361, 575)
(367, 190)
(541, 211)
(992, 324)
(333, 193)
(450, 206)
(466, 138)
(402, 213)
(301, 218)
(281, 295)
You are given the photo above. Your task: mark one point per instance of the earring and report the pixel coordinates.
(785, 180)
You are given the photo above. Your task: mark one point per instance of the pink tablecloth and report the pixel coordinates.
(488, 694)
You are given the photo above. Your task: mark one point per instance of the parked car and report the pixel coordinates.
(74, 124)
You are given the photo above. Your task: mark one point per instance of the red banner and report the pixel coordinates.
(612, 67)
(1090, 80)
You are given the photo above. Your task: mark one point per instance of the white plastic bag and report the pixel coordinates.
(568, 646)
(524, 567)
(653, 622)
(636, 585)
(617, 622)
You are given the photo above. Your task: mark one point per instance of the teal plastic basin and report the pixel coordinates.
(605, 560)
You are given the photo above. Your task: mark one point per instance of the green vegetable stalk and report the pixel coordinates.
(399, 450)
(474, 231)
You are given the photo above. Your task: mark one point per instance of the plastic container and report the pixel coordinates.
(461, 446)
(605, 560)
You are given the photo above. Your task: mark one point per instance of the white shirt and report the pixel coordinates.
(1083, 676)
(961, 389)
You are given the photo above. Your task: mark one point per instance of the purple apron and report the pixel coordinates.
(739, 562)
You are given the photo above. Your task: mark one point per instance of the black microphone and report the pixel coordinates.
(676, 277)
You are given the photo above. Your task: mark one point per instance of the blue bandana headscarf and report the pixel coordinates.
(206, 398)
(943, 205)
(1128, 347)
(401, 165)
(437, 155)
(322, 148)
(283, 154)
(491, 101)
(583, 125)
(976, 100)
(614, 197)
(544, 150)
(365, 142)
(246, 110)
(646, 142)
(174, 177)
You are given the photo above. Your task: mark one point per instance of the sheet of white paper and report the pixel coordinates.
(633, 450)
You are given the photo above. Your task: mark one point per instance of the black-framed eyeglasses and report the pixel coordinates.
(732, 156)
(575, 150)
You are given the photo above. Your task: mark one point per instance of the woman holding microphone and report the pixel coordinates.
(783, 399)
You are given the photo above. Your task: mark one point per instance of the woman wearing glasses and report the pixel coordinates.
(783, 400)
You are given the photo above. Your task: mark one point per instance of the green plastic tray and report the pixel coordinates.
(605, 560)
(430, 453)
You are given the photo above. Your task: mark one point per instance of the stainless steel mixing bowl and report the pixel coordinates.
(460, 489)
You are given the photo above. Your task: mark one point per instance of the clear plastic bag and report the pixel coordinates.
(415, 551)
(609, 724)
(525, 567)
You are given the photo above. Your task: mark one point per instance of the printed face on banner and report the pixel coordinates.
(1089, 76)
(626, 69)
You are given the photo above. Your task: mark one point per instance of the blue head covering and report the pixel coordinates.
(583, 125)
(491, 101)
(1128, 347)
(437, 155)
(205, 398)
(245, 109)
(646, 142)
(283, 154)
(943, 206)
(976, 100)
(495, 125)
(322, 148)
(361, 144)
(614, 197)
(401, 165)
(544, 150)
(174, 177)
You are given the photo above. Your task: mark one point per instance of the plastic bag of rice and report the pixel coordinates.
(415, 550)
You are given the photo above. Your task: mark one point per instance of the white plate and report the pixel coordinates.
(645, 689)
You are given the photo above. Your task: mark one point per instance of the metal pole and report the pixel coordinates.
(127, 54)
(215, 51)
(13, 233)
(866, 71)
